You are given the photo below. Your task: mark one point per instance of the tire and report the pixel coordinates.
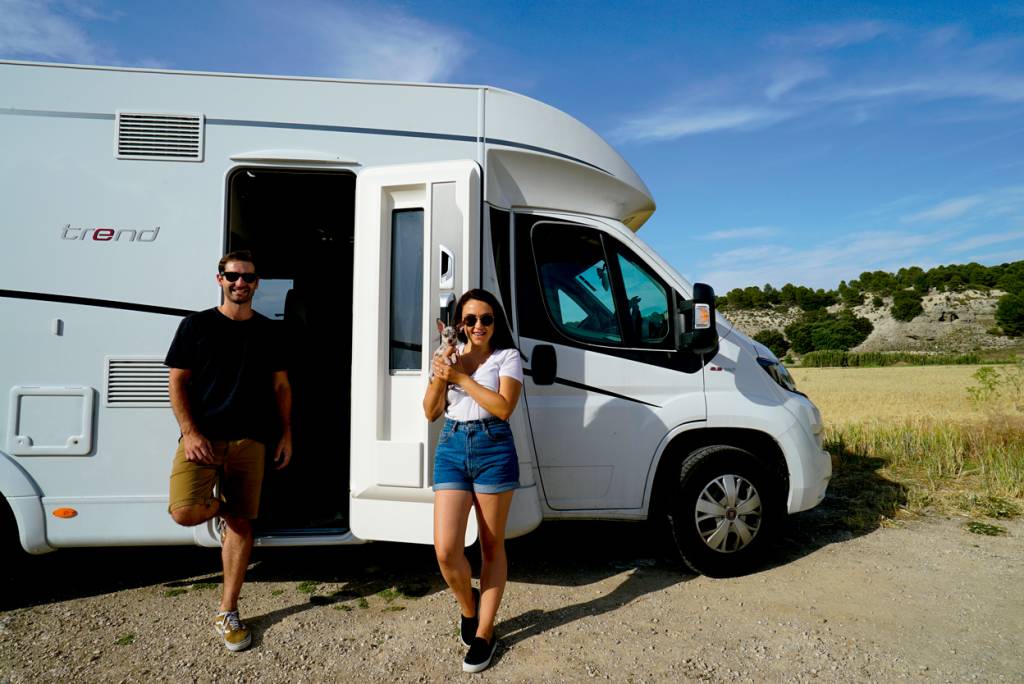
(725, 510)
(10, 546)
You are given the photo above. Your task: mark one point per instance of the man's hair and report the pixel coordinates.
(237, 255)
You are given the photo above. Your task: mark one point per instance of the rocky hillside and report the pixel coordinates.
(950, 322)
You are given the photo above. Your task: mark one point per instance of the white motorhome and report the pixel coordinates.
(370, 206)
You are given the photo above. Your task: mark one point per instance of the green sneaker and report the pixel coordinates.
(229, 626)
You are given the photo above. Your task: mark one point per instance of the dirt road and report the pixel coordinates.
(926, 601)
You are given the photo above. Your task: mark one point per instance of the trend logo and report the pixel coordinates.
(68, 232)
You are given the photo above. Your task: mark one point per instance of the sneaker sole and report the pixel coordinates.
(240, 646)
(466, 667)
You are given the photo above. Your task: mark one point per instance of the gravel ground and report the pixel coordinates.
(925, 600)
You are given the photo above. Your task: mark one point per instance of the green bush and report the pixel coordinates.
(774, 340)
(829, 358)
(906, 305)
(823, 330)
(1010, 314)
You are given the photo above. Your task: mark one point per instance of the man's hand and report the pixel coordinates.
(283, 455)
(197, 448)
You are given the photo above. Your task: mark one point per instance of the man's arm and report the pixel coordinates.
(283, 393)
(197, 447)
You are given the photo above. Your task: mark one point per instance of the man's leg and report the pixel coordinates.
(191, 501)
(237, 548)
(243, 476)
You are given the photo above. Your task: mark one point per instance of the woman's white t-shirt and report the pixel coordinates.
(501, 362)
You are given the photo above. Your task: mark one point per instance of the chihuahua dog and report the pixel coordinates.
(448, 349)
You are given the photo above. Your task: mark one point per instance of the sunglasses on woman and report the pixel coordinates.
(487, 320)
(232, 276)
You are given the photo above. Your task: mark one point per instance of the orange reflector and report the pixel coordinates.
(701, 316)
(65, 512)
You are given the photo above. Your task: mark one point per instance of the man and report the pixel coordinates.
(227, 384)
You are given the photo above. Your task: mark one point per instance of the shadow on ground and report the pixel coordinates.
(563, 553)
(859, 500)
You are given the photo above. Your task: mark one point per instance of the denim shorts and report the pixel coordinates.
(476, 456)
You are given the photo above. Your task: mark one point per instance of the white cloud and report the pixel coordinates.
(799, 76)
(985, 240)
(741, 233)
(34, 29)
(787, 77)
(832, 36)
(373, 41)
(693, 120)
(950, 209)
(822, 265)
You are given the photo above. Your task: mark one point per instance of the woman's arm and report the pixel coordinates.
(434, 399)
(501, 403)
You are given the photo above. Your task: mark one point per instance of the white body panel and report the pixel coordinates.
(104, 254)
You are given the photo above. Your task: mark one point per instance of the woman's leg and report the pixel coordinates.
(492, 514)
(451, 515)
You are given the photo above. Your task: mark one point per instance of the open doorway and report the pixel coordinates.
(300, 225)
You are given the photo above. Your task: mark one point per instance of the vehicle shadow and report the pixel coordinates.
(859, 501)
(563, 553)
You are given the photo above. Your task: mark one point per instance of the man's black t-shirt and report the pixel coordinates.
(231, 391)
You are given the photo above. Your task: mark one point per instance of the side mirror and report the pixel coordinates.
(699, 333)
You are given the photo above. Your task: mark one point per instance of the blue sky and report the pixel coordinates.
(784, 142)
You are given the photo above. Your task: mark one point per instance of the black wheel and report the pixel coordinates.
(10, 546)
(725, 511)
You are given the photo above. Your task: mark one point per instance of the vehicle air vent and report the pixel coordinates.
(138, 381)
(177, 137)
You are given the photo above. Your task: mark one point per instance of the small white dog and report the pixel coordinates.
(449, 345)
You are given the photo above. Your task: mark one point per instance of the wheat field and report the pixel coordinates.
(919, 438)
(894, 393)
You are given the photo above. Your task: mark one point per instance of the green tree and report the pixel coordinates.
(821, 330)
(1010, 314)
(836, 334)
(774, 340)
(906, 305)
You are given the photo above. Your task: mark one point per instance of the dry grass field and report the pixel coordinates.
(942, 438)
(892, 394)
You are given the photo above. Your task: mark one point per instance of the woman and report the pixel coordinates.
(476, 463)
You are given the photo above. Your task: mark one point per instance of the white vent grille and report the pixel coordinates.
(136, 382)
(177, 137)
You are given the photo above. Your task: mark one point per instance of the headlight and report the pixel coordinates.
(779, 374)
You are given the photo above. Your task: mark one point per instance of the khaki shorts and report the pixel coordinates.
(237, 464)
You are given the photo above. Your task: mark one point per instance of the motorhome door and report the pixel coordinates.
(605, 381)
(416, 249)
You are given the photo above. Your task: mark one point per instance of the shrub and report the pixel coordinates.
(774, 340)
(822, 330)
(1010, 314)
(836, 358)
(877, 302)
(906, 305)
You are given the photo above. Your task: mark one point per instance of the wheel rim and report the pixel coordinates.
(728, 513)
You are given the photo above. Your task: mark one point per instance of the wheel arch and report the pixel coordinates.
(23, 500)
(679, 444)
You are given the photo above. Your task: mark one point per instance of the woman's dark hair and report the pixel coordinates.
(502, 337)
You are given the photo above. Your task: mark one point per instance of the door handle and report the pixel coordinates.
(446, 307)
(545, 364)
(446, 271)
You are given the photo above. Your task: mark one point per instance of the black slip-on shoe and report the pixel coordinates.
(480, 654)
(468, 625)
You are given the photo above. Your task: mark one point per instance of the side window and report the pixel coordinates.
(647, 300)
(502, 247)
(406, 290)
(575, 283)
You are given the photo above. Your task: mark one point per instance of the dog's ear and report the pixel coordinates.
(440, 325)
